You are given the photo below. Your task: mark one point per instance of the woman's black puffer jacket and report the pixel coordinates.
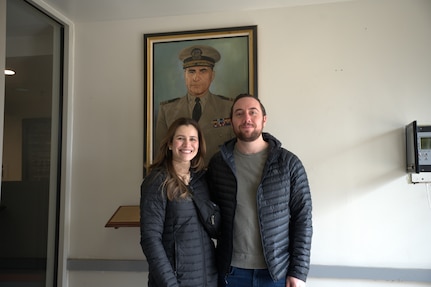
(284, 209)
(178, 249)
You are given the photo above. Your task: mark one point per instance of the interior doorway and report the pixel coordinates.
(30, 187)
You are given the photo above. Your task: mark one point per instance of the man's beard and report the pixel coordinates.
(248, 137)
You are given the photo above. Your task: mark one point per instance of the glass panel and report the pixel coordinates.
(31, 143)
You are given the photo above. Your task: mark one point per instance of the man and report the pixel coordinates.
(211, 112)
(264, 197)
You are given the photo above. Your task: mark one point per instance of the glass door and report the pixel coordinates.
(31, 147)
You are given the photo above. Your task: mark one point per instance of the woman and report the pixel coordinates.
(178, 248)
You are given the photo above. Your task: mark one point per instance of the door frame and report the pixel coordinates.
(66, 125)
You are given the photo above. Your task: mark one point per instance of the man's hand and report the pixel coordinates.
(294, 282)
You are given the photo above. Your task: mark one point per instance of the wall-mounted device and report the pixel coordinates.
(418, 148)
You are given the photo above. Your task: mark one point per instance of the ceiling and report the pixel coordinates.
(109, 10)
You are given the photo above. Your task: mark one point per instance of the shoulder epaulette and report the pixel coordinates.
(169, 101)
(225, 98)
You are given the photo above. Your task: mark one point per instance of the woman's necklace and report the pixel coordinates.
(183, 173)
(184, 177)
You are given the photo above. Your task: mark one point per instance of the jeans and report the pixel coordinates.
(239, 277)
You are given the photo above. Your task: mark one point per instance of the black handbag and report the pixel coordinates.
(209, 215)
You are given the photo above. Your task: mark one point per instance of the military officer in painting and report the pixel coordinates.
(214, 113)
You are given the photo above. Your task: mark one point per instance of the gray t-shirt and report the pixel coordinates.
(247, 242)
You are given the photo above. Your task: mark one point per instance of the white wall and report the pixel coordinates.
(339, 81)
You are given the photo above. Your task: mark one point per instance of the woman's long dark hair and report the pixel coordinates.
(175, 187)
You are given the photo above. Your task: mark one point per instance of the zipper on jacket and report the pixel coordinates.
(175, 256)
(204, 261)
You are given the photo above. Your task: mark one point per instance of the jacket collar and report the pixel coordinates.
(226, 150)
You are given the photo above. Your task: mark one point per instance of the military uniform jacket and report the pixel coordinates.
(214, 122)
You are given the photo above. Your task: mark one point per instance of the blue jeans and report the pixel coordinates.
(239, 277)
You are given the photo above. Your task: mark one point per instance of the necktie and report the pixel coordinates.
(197, 110)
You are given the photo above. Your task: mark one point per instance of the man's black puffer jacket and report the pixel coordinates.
(178, 249)
(284, 209)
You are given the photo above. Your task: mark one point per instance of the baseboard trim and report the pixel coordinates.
(370, 273)
(107, 265)
(316, 271)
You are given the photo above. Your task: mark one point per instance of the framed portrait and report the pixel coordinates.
(164, 80)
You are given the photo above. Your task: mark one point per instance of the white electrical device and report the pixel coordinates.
(418, 152)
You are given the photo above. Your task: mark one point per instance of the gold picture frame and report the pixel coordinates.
(236, 72)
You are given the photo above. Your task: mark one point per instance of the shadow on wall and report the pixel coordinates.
(352, 167)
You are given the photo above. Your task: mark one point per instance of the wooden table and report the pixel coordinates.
(125, 216)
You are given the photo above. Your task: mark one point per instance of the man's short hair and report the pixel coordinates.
(240, 96)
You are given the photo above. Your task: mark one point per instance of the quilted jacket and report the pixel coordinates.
(284, 209)
(178, 249)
